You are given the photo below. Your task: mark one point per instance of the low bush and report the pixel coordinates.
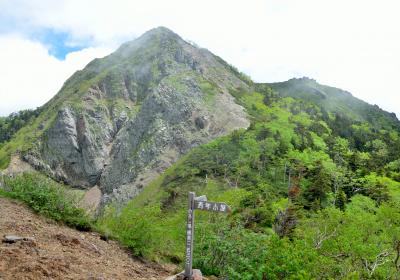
(47, 198)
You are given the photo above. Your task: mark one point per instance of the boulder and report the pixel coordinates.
(14, 238)
(197, 275)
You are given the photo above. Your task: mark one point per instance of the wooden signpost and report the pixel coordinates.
(199, 203)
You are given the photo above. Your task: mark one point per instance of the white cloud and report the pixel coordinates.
(29, 76)
(349, 44)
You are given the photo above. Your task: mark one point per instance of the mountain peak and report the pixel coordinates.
(304, 80)
(158, 39)
(160, 30)
(130, 115)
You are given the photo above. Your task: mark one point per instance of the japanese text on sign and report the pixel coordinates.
(211, 206)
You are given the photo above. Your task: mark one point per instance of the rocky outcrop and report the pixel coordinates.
(75, 147)
(127, 117)
(170, 130)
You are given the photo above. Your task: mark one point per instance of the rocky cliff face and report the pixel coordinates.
(125, 118)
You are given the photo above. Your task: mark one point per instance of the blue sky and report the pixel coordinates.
(352, 45)
(58, 43)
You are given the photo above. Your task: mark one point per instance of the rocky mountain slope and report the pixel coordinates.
(123, 119)
(314, 180)
(120, 122)
(306, 185)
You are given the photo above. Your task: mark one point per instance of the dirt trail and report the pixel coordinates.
(59, 252)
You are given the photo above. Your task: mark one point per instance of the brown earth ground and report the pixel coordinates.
(59, 252)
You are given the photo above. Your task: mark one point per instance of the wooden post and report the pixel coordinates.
(199, 203)
(189, 237)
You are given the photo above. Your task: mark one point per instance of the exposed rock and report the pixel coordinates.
(197, 275)
(67, 240)
(92, 199)
(16, 166)
(14, 238)
(201, 122)
(76, 145)
(127, 117)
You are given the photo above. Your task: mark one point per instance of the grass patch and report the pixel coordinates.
(47, 198)
(150, 230)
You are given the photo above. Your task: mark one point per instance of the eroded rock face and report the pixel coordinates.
(76, 146)
(170, 129)
(146, 105)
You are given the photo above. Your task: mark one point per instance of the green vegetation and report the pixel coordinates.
(315, 193)
(313, 182)
(337, 102)
(10, 128)
(314, 197)
(47, 198)
(26, 137)
(11, 124)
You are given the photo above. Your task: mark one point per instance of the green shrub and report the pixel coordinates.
(229, 250)
(135, 228)
(47, 198)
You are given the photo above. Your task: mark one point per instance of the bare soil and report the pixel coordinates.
(59, 252)
(16, 166)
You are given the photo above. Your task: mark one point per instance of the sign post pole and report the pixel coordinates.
(189, 237)
(199, 203)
